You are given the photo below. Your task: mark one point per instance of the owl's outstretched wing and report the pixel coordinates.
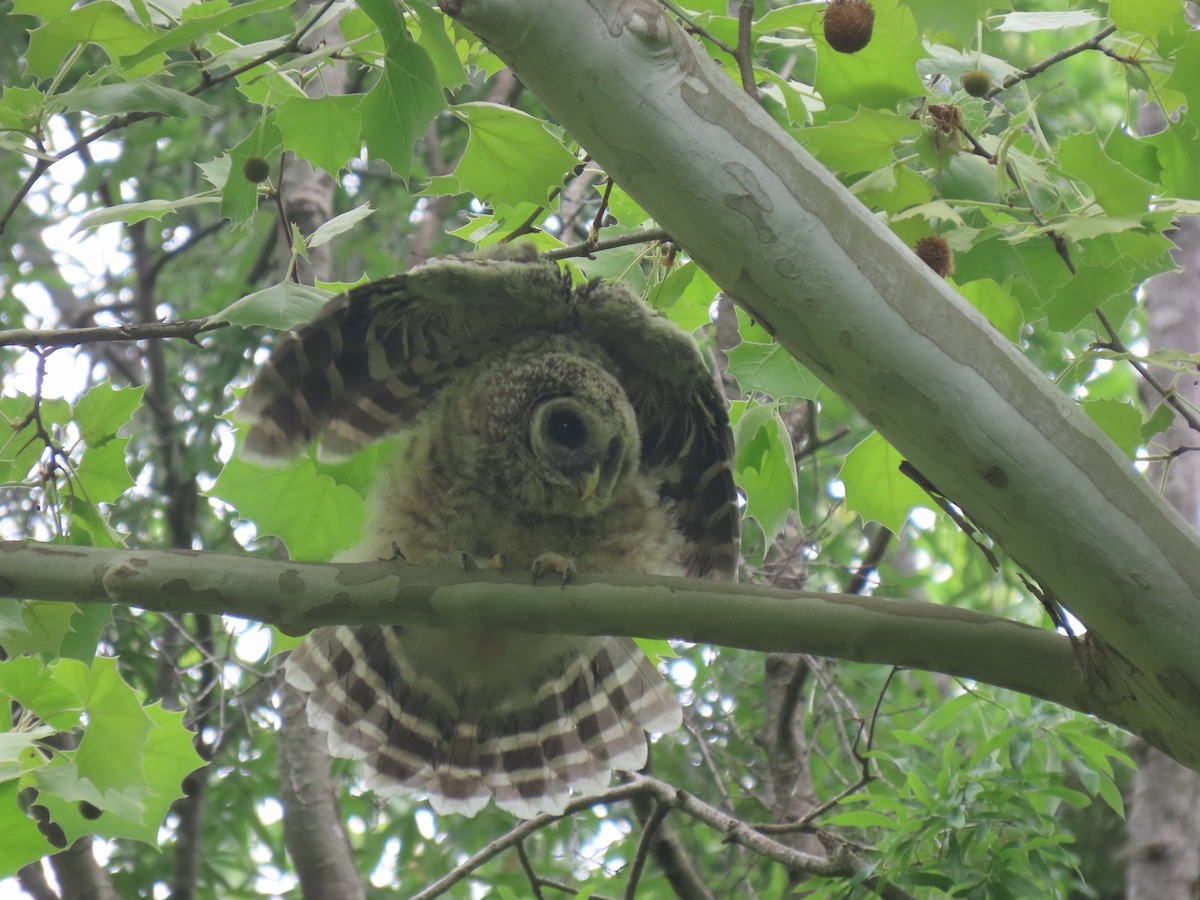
(686, 439)
(376, 356)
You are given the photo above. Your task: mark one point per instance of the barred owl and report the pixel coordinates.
(543, 427)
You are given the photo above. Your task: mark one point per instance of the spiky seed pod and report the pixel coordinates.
(977, 82)
(936, 253)
(256, 169)
(848, 25)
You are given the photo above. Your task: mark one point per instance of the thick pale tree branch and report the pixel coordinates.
(297, 597)
(844, 295)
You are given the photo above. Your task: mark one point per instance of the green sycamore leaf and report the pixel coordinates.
(26, 680)
(102, 472)
(997, 304)
(264, 84)
(20, 840)
(881, 74)
(510, 158)
(407, 96)
(338, 225)
(866, 142)
(772, 370)
(196, 27)
(438, 44)
(281, 642)
(132, 213)
(239, 196)
(875, 487)
(1147, 17)
(104, 410)
(1120, 421)
(766, 465)
(169, 758)
(20, 107)
(45, 625)
(279, 306)
(323, 130)
(62, 790)
(1024, 22)
(111, 751)
(959, 19)
(1158, 421)
(893, 189)
(313, 514)
(1178, 149)
(102, 23)
(685, 296)
(137, 96)
(1186, 75)
(21, 448)
(1119, 191)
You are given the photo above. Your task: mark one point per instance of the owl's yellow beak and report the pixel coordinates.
(588, 486)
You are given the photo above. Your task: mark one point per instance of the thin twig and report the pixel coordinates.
(1168, 394)
(71, 337)
(649, 833)
(871, 560)
(693, 28)
(745, 48)
(535, 881)
(1092, 43)
(865, 775)
(587, 248)
(733, 831)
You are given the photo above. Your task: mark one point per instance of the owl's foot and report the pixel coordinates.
(553, 562)
(468, 562)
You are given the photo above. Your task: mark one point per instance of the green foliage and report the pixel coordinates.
(1056, 211)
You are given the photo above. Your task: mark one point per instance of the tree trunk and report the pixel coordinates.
(1163, 825)
(839, 291)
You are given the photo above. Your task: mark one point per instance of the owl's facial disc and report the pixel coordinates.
(581, 445)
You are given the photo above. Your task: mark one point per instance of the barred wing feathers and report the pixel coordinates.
(585, 718)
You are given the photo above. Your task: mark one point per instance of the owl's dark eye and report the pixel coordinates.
(566, 429)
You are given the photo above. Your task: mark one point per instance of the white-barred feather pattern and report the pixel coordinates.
(539, 422)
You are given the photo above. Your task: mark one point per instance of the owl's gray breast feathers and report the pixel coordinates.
(541, 418)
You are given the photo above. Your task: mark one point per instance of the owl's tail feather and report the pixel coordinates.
(573, 726)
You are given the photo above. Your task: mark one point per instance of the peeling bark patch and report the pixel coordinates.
(1177, 685)
(643, 19)
(290, 583)
(647, 24)
(753, 203)
(996, 477)
(181, 590)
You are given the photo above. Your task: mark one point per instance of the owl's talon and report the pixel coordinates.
(468, 561)
(397, 555)
(498, 562)
(553, 562)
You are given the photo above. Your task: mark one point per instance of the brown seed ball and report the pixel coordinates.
(977, 82)
(936, 253)
(946, 116)
(848, 25)
(256, 169)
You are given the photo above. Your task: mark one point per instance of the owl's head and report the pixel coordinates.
(559, 436)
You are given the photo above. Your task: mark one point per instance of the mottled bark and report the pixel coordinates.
(1164, 823)
(312, 820)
